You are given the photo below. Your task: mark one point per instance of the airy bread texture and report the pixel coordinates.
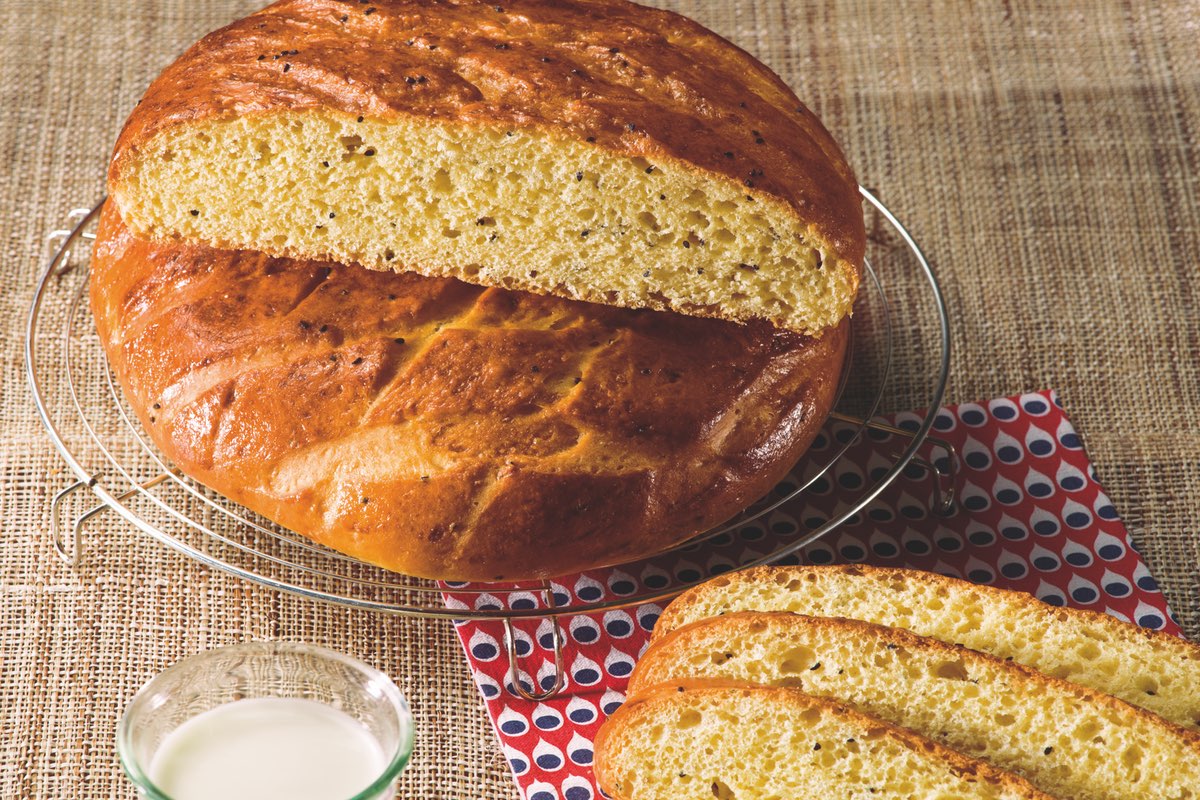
(598, 150)
(699, 740)
(1153, 670)
(448, 431)
(1067, 740)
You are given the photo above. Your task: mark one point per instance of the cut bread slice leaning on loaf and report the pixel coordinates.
(1068, 740)
(598, 150)
(700, 740)
(1150, 669)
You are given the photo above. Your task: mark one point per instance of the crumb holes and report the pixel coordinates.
(696, 197)
(722, 792)
(696, 219)
(350, 144)
(689, 719)
(442, 182)
(640, 163)
(951, 671)
(168, 155)
(718, 657)
(796, 660)
(451, 233)
(648, 221)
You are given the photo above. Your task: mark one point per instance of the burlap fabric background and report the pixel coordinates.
(1044, 155)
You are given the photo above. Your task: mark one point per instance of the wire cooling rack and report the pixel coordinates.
(109, 454)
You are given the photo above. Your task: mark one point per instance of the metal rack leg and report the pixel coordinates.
(74, 554)
(69, 556)
(945, 486)
(945, 490)
(56, 239)
(510, 644)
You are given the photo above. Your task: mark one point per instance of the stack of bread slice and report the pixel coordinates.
(865, 682)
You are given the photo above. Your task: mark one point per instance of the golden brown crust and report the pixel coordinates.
(1148, 669)
(636, 81)
(645, 703)
(785, 625)
(444, 430)
(678, 607)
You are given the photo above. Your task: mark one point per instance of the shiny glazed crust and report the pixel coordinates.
(447, 431)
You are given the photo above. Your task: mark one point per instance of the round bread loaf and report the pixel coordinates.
(443, 430)
(592, 149)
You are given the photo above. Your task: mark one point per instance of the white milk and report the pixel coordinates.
(268, 748)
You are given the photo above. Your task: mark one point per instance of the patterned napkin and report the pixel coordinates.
(1032, 516)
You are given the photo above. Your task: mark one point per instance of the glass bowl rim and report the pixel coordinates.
(396, 765)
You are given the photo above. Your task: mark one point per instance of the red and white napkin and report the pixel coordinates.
(1032, 516)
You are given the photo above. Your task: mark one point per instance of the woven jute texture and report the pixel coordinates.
(1044, 155)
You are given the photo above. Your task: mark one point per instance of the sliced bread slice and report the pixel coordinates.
(596, 150)
(1068, 740)
(1150, 669)
(703, 740)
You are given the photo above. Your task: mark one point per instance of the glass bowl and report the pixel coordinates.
(254, 670)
